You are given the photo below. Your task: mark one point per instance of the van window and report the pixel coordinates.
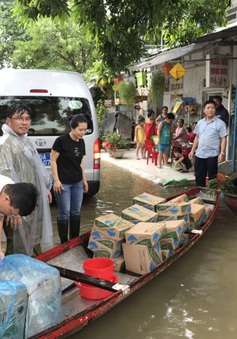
(49, 114)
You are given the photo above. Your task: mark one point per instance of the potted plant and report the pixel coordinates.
(115, 143)
(228, 186)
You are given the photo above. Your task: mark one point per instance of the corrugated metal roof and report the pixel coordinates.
(163, 57)
(220, 33)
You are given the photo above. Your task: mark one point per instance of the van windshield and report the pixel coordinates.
(49, 114)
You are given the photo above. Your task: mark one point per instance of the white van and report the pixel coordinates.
(54, 96)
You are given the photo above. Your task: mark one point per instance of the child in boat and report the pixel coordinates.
(140, 138)
(183, 160)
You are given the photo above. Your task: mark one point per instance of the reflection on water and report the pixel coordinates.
(194, 298)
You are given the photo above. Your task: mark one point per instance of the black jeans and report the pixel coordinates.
(203, 168)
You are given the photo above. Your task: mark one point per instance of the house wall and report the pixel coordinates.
(193, 83)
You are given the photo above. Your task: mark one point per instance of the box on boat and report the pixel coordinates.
(145, 233)
(176, 217)
(184, 239)
(174, 228)
(180, 198)
(101, 234)
(112, 226)
(208, 210)
(13, 306)
(173, 209)
(197, 200)
(148, 201)
(169, 243)
(119, 263)
(141, 259)
(43, 285)
(137, 213)
(105, 248)
(197, 216)
(166, 253)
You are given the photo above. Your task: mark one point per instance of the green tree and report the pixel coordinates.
(10, 31)
(122, 28)
(55, 46)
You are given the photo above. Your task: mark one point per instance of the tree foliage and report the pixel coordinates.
(121, 28)
(10, 31)
(53, 46)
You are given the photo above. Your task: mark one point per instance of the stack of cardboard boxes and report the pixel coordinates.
(147, 232)
(142, 250)
(107, 236)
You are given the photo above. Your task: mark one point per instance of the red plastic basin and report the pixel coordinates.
(102, 268)
(94, 293)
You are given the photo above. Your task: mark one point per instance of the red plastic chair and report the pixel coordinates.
(151, 152)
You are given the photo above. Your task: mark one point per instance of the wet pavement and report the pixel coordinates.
(147, 171)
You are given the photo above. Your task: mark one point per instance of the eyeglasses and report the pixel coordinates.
(22, 119)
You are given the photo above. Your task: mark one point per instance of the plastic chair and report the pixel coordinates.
(151, 152)
(154, 139)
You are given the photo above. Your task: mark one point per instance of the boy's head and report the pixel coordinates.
(189, 129)
(18, 199)
(177, 151)
(170, 118)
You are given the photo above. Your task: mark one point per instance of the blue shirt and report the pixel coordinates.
(210, 135)
(165, 135)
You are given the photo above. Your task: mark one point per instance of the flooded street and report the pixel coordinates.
(194, 298)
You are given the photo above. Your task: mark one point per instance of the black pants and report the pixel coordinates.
(203, 168)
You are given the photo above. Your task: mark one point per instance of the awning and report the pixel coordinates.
(220, 34)
(163, 57)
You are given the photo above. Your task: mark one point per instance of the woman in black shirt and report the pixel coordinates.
(69, 178)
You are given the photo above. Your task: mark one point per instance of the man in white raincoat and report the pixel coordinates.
(20, 161)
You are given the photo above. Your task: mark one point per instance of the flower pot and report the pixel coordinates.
(231, 201)
(108, 150)
(118, 154)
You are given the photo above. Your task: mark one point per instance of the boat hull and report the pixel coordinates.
(77, 321)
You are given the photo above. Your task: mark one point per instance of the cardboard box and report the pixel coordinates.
(148, 201)
(180, 198)
(105, 248)
(197, 216)
(197, 200)
(170, 209)
(174, 228)
(137, 213)
(141, 259)
(112, 226)
(166, 253)
(169, 243)
(119, 264)
(184, 239)
(112, 233)
(145, 233)
(177, 217)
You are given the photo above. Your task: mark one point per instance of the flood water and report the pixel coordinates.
(194, 298)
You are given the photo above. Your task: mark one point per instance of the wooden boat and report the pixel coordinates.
(68, 258)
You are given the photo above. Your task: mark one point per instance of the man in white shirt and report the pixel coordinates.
(16, 200)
